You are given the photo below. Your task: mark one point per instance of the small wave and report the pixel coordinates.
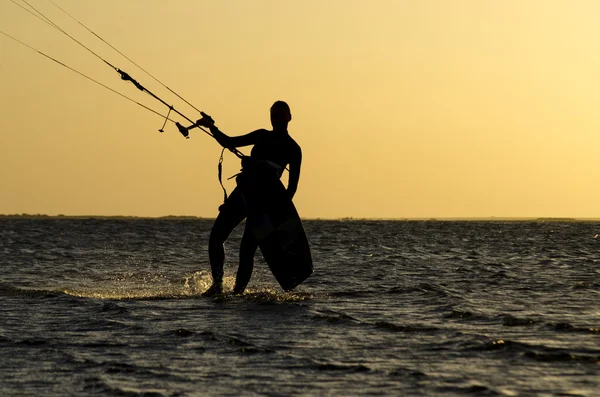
(404, 328)
(251, 350)
(32, 342)
(208, 335)
(510, 321)
(236, 342)
(127, 369)
(246, 348)
(473, 389)
(23, 342)
(407, 373)
(437, 290)
(334, 317)
(356, 368)
(111, 307)
(581, 285)
(563, 356)
(539, 352)
(398, 290)
(498, 344)
(7, 290)
(182, 332)
(101, 345)
(352, 294)
(459, 314)
(566, 327)
(97, 385)
(121, 368)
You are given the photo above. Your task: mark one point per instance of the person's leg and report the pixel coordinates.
(247, 250)
(231, 213)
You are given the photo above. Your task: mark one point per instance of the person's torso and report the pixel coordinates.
(275, 147)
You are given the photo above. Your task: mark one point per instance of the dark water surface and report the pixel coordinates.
(111, 307)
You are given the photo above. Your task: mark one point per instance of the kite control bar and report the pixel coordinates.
(185, 131)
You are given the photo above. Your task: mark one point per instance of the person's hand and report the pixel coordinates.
(205, 121)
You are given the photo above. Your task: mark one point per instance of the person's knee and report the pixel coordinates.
(215, 243)
(218, 235)
(248, 249)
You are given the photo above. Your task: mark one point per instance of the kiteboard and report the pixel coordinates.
(276, 225)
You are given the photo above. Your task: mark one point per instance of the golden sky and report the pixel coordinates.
(428, 108)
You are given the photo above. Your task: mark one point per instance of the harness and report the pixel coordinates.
(246, 162)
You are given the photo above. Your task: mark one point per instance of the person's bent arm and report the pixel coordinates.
(294, 174)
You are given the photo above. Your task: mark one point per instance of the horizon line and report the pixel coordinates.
(343, 218)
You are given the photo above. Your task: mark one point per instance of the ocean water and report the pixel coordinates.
(113, 307)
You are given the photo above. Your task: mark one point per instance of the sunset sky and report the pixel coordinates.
(403, 109)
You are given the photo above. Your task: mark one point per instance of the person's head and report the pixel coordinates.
(280, 115)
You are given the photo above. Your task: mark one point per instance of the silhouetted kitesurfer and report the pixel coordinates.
(273, 151)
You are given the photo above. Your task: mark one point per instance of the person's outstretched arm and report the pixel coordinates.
(248, 139)
(227, 141)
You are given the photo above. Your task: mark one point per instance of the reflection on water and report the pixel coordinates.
(115, 307)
